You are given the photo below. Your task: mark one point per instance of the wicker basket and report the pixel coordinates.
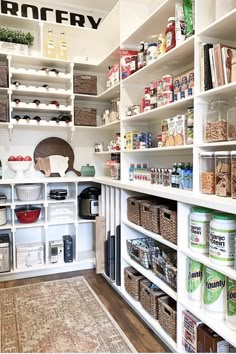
(85, 84)
(3, 75)
(141, 250)
(149, 298)
(164, 265)
(132, 280)
(167, 315)
(3, 111)
(85, 116)
(150, 215)
(168, 224)
(134, 208)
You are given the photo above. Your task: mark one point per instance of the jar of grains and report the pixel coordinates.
(223, 173)
(216, 122)
(207, 172)
(233, 175)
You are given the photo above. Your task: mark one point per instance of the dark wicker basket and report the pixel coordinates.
(85, 84)
(85, 116)
(3, 76)
(141, 250)
(168, 224)
(165, 267)
(134, 208)
(150, 215)
(167, 315)
(149, 298)
(132, 280)
(3, 111)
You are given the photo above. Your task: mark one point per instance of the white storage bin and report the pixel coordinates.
(27, 192)
(61, 212)
(3, 215)
(29, 255)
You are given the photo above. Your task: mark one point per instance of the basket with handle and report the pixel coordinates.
(132, 280)
(141, 249)
(167, 315)
(150, 215)
(164, 265)
(168, 224)
(134, 208)
(149, 297)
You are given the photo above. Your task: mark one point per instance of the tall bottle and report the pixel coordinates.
(62, 47)
(50, 50)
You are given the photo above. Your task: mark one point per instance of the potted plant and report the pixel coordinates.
(15, 41)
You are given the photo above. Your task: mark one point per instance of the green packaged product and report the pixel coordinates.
(188, 16)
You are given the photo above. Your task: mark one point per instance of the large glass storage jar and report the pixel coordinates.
(231, 122)
(233, 174)
(223, 173)
(216, 122)
(207, 172)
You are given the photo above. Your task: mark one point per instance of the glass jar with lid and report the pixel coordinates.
(231, 122)
(207, 172)
(216, 121)
(233, 174)
(223, 173)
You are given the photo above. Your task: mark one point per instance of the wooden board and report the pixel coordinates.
(56, 146)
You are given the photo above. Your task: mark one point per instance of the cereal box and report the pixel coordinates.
(191, 325)
(180, 129)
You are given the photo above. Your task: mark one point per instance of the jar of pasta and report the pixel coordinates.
(223, 173)
(216, 122)
(207, 172)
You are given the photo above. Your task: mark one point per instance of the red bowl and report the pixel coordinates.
(28, 215)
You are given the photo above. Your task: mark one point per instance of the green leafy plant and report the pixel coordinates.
(16, 36)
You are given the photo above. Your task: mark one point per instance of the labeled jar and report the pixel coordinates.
(223, 173)
(221, 240)
(133, 65)
(233, 174)
(216, 122)
(151, 52)
(199, 229)
(231, 122)
(207, 172)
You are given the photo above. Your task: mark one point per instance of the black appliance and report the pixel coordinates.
(68, 248)
(88, 203)
(58, 194)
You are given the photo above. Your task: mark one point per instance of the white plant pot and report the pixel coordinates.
(14, 48)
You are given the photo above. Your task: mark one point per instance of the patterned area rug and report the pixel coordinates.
(58, 316)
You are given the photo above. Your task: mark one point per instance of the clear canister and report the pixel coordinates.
(207, 172)
(216, 121)
(233, 174)
(223, 173)
(231, 122)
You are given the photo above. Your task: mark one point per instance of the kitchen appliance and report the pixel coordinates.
(56, 251)
(3, 215)
(29, 255)
(4, 253)
(68, 248)
(3, 198)
(58, 194)
(88, 203)
(28, 214)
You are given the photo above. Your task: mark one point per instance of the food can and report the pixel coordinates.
(159, 87)
(167, 97)
(167, 83)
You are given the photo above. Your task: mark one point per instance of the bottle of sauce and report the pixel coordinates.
(161, 45)
(170, 34)
(145, 53)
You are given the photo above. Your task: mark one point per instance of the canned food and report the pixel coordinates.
(167, 82)
(167, 97)
(147, 92)
(159, 87)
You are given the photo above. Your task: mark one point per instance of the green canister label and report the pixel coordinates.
(194, 270)
(199, 231)
(221, 245)
(231, 298)
(214, 284)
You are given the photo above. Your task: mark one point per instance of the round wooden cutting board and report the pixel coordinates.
(56, 146)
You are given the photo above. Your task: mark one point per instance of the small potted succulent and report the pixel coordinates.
(15, 41)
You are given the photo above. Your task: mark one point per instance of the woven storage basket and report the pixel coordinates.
(168, 224)
(167, 315)
(150, 215)
(141, 250)
(3, 76)
(86, 116)
(134, 209)
(149, 298)
(166, 267)
(132, 280)
(85, 84)
(3, 111)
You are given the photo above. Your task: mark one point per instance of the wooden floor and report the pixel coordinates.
(143, 339)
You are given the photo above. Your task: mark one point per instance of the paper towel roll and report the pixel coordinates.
(231, 304)
(194, 281)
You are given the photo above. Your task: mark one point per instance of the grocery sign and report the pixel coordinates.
(32, 11)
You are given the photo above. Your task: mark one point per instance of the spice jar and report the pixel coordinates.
(231, 122)
(216, 123)
(233, 174)
(223, 173)
(207, 172)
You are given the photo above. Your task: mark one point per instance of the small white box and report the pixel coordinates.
(56, 251)
(29, 255)
(61, 212)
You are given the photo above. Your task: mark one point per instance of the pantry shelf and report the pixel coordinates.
(86, 221)
(19, 225)
(6, 226)
(222, 28)
(32, 202)
(40, 76)
(151, 276)
(218, 326)
(222, 92)
(42, 107)
(148, 233)
(109, 126)
(204, 259)
(32, 91)
(65, 222)
(107, 152)
(221, 144)
(24, 123)
(162, 112)
(172, 150)
(170, 62)
(88, 256)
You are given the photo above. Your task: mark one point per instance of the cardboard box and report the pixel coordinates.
(210, 342)
(171, 132)
(29, 255)
(191, 325)
(177, 88)
(129, 140)
(180, 129)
